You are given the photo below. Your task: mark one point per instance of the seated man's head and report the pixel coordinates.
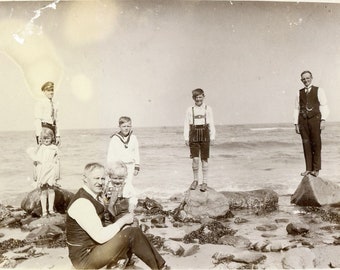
(94, 177)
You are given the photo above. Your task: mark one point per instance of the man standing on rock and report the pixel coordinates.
(45, 113)
(310, 113)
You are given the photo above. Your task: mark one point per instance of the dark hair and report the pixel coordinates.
(91, 166)
(47, 86)
(124, 119)
(306, 71)
(197, 92)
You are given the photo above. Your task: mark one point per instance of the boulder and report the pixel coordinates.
(297, 228)
(205, 204)
(249, 257)
(191, 251)
(298, 258)
(31, 202)
(261, 199)
(237, 241)
(173, 247)
(314, 191)
(57, 220)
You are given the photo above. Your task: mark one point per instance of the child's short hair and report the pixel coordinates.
(124, 119)
(46, 132)
(117, 170)
(197, 92)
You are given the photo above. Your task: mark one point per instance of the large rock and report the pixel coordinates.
(210, 203)
(261, 199)
(31, 203)
(314, 191)
(299, 258)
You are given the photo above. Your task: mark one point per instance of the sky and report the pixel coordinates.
(143, 58)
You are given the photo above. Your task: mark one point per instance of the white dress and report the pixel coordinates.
(47, 169)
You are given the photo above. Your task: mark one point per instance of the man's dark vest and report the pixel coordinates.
(309, 103)
(79, 242)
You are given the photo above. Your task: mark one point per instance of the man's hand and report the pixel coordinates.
(322, 124)
(297, 129)
(127, 219)
(186, 142)
(212, 142)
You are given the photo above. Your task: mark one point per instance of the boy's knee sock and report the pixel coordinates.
(205, 167)
(51, 197)
(195, 167)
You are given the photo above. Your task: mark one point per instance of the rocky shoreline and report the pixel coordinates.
(240, 230)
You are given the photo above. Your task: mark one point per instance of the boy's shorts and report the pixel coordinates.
(199, 147)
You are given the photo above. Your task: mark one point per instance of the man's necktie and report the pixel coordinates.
(52, 111)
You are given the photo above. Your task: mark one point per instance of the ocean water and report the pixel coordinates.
(244, 157)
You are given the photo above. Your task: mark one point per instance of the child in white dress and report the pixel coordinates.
(46, 164)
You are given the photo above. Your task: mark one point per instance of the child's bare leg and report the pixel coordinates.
(51, 198)
(43, 201)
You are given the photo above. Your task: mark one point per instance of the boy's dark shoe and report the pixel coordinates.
(204, 187)
(193, 185)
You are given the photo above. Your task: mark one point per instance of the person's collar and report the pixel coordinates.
(49, 99)
(202, 106)
(124, 136)
(88, 190)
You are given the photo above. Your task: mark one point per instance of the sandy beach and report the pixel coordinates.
(320, 240)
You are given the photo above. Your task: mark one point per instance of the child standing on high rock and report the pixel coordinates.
(199, 134)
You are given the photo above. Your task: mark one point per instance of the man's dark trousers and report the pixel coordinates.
(311, 140)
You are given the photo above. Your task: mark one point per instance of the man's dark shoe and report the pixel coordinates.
(305, 173)
(315, 173)
(193, 185)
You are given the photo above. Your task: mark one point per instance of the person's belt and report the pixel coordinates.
(199, 126)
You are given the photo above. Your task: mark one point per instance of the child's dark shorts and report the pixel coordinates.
(199, 147)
